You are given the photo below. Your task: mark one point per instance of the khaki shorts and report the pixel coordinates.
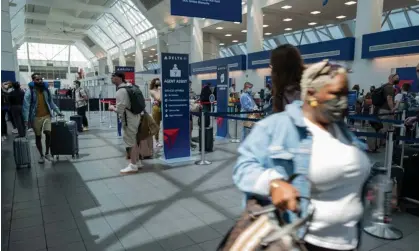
(41, 124)
(129, 131)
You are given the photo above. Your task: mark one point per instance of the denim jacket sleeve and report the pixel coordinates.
(251, 173)
(52, 105)
(26, 105)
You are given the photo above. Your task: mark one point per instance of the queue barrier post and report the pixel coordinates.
(236, 136)
(88, 108)
(110, 116)
(380, 225)
(203, 161)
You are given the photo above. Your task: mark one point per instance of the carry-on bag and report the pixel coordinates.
(79, 122)
(64, 138)
(409, 187)
(209, 139)
(146, 148)
(21, 152)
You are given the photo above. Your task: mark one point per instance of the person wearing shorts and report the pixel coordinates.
(37, 110)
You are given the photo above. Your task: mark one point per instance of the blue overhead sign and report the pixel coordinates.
(235, 63)
(175, 105)
(391, 43)
(226, 10)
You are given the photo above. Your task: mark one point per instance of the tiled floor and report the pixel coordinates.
(84, 204)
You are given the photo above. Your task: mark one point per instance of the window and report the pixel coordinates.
(113, 51)
(243, 48)
(105, 42)
(134, 16)
(22, 52)
(117, 31)
(311, 36)
(50, 52)
(148, 35)
(78, 56)
(414, 17)
(290, 38)
(127, 44)
(272, 43)
(398, 20)
(324, 36)
(336, 32)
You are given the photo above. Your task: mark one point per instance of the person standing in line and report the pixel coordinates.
(4, 108)
(16, 97)
(130, 122)
(246, 100)
(155, 93)
(388, 105)
(81, 103)
(37, 110)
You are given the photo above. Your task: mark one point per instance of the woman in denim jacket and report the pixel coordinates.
(310, 138)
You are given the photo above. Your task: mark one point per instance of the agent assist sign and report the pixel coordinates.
(227, 10)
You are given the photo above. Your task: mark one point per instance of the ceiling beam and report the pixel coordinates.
(67, 18)
(123, 21)
(70, 5)
(47, 41)
(52, 28)
(47, 35)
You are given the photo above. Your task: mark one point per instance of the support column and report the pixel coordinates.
(102, 66)
(254, 26)
(211, 47)
(29, 58)
(122, 61)
(161, 48)
(8, 65)
(179, 41)
(197, 43)
(368, 20)
(110, 63)
(139, 59)
(68, 64)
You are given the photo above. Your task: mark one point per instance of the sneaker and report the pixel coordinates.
(48, 157)
(158, 144)
(130, 169)
(30, 130)
(14, 131)
(41, 160)
(85, 129)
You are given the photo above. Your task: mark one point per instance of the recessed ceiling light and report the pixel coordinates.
(288, 29)
(228, 35)
(152, 56)
(315, 12)
(221, 44)
(286, 7)
(340, 17)
(287, 19)
(350, 3)
(312, 23)
(244, 31)
(237, 22)
(153, 49)
(265, 25)
(219, 28)
(235, 41)
(268, 33)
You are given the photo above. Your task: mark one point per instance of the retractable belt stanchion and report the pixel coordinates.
(110, 116)
(236, 136)
(88, 108)
(203, 161)
(380, 225)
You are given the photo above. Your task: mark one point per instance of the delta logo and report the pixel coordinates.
(170, 136)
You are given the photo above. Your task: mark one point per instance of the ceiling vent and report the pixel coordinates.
(148, 4)
(88, 42)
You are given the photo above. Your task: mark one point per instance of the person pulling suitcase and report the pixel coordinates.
(37, 110)
(81, 99)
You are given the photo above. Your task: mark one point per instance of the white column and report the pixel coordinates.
(68, 64)
(179, 41)
(29, 58)
(139, 59)
(161, 48)
(8, 65)
(102, 66)
(211, 47)
(122, 61)
(110, 63)
(197, 42)
(368, 20)
(254, 26)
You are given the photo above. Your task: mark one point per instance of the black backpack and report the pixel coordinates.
(377, 97)
(136, 99)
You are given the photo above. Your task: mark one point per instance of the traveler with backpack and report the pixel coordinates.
(382, 99)
(16, 96)
(81, 103)
(37, 111)
(130, 104)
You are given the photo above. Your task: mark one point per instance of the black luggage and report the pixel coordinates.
(79, 121)
(411, 170)
(64, 140)
(209, 139)
(21, 152)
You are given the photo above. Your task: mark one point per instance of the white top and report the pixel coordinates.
(337, 170)
(399, 96)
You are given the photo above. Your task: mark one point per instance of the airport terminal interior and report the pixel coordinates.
(83, 202)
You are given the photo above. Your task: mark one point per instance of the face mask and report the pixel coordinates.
(333, 109)
(396, 82)
(249, 90)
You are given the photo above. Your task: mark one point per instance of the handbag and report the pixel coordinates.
(262, 228)
(148, 127)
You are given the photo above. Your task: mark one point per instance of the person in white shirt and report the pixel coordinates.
(401, 98)
(81, 103)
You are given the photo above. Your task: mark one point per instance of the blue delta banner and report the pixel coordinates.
(226, 10)
(175, 105)
(352, 98)
(222, 99)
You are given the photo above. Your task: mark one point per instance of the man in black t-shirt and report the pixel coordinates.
(388, 106)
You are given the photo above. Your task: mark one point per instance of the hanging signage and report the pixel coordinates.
(352, 98)
(222, 99)
(57, 84)
(129, 73)
(226, 10)
(175, 105)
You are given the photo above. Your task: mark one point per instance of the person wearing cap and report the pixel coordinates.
(310, 138)
(81, 99)
(130, 122)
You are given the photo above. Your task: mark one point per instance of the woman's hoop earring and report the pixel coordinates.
(313, 102)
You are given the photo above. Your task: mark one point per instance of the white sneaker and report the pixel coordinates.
(14, 131)
(48, 157)
(158, 144)
(30, 130)
(130, 169)
(41, 160)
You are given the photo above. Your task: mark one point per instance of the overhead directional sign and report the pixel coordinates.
(226, 10)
